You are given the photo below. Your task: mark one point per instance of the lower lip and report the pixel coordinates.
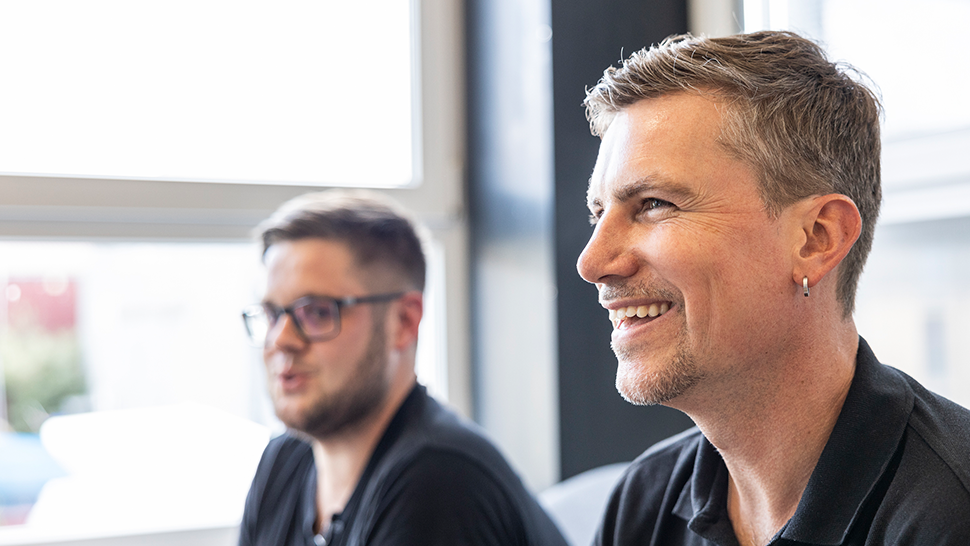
(292, 383)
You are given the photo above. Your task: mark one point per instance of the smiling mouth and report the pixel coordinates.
(636, 313)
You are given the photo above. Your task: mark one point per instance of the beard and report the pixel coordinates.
(645, 387)
(358, 400)
(637, 381)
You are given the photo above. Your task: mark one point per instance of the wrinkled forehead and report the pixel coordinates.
(655, 141)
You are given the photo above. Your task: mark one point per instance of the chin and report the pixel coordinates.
(644, 384)
(290, 413)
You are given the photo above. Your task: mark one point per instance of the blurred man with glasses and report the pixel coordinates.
(370, 457)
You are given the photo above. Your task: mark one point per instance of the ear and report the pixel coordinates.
(406, 315)
(830, 226)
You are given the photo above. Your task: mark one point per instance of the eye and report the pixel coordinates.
(594, 216)
(651, 204)
(317, 312)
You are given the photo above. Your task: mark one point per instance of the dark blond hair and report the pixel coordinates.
(801, 121)
(379, 233)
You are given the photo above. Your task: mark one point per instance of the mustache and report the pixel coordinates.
(638, 290)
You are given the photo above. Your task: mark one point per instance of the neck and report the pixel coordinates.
(341, 458)
(772, 427)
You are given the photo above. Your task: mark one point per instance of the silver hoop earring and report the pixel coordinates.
(805, 285)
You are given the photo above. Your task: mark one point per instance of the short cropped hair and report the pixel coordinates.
(379, 233)
(805, 124)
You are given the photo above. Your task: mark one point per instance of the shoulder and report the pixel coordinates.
(444, 479)
(649, 487)
(937, 432)
(433, 429)
(287, 444)
(449, 478)
(275, 500)
(284, 465)
(444, 496)
(944, 426)
(929, 500)
(440, 446)
(284, 454)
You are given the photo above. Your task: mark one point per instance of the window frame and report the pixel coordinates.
(55, 208)
(63, 207)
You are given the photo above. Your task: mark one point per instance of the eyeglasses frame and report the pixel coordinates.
(339, 303)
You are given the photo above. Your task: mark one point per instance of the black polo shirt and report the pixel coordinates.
(896, 470)
(433, 480)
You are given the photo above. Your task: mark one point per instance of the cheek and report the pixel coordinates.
(714, 280)
(661, 249)
(268, 356)
(340, 355)
(681, 258)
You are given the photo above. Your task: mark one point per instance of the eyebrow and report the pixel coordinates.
(663, 186)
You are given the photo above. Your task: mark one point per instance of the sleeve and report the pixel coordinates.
(445, 499)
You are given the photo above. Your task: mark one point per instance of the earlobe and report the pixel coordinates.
(830, 226)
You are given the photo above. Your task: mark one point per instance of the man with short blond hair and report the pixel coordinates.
(734, 200)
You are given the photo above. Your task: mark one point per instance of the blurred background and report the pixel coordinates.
(142, 142)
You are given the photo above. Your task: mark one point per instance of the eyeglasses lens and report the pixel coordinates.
(257, 323)
(317, 318)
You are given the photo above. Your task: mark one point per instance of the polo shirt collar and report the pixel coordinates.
(703, 500)
(863, 441)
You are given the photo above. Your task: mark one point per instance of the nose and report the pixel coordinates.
(284, 336)
(607, 253)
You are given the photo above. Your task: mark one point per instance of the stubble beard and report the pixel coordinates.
(646, 384)
(360, 399)
(643, 386)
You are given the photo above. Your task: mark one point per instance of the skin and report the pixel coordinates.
(680, 221)
(344, 391)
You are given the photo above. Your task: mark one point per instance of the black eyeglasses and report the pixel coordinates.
(317, 318)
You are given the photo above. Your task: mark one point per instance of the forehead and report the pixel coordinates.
(668, 141)
(311, 267)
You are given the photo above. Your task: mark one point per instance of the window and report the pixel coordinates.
(117, 328)
(150, 336)
(295, 92)
(157, 269)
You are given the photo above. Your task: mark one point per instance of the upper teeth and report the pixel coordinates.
(652, 310)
